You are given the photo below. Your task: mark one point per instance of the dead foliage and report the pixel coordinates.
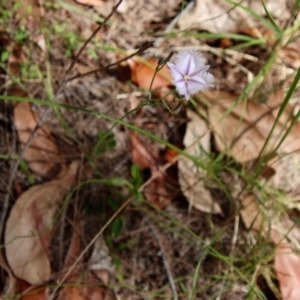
(155, 192)
(43, 153)
(244, 132)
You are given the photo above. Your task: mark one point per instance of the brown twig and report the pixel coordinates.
(93, 35)
(163, 256)
(141, 50)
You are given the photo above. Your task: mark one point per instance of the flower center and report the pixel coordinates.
(187, 77)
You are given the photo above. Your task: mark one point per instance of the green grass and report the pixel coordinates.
(235, 267)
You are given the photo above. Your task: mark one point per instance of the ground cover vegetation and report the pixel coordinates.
(149, 149)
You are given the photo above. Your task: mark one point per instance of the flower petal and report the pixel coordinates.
(182, 89)
(194, 87)
(176, 73)
(209, 80)
(190, 73)
(190, 60)
(199, 83)
(199, 71)
(183, 62)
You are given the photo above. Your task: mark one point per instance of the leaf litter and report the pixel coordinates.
(85, 284)
(191, 177)
(156, 192)
(28, 229)
(43, 153)
(251, 122)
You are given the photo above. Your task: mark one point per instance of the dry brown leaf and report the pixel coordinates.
(243, 133)
(286, 177)
(75, 247)
(287, 267)
(286, 261)
(100, 261)
(31, 292)
(191, 176)
(91, 2)
(43, 152)
(155, 192)
(251, 214)
(82, 285)
(85, 286)
(220, 16)
(142, 156)
(259, 219)
(290, 54)
(142, 72)
(39, 294)
(28, 230)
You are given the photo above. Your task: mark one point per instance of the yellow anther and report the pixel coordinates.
(186, 77)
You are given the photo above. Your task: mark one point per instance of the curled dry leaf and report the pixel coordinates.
(43, 152)
(29, 228)
(100, 261)
(75, 247)
(155, 192)
(243, 132)
(191, 177)
(142, 73)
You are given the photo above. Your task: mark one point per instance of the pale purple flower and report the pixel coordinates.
(190, 73)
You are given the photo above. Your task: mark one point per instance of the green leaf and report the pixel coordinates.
(135, 171)
(116, 226)
(29, 9)
(117, 263)
(276, 28)
(113, 204)
(21, 35)
(119, 182)
(23, 166)
(30, 180)
(106, 141)
(108, 241)
(4, 55)
(92, 53)
(16, 5)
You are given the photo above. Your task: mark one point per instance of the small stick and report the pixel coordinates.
(141, 50)
(163, 256)
(92, 36)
